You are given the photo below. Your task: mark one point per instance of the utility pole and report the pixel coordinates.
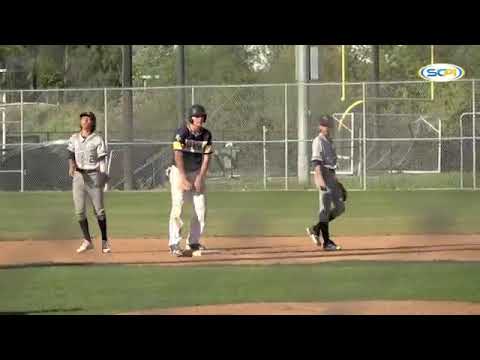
(127, 107)
(302, 62)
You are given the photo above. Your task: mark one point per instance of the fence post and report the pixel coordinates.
(193, 95)
(474, 137)
(4, 125)
(439, 146)
(22, 177)
(461, 151)
(105, 115)
(364, 130)
(286, 135)
(264, 158)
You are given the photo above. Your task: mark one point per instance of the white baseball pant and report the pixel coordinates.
(179, 198)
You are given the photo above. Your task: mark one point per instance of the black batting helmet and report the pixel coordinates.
(197, 110)
(326, 120)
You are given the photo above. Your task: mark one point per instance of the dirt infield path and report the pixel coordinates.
(261, 250)
(375, 307)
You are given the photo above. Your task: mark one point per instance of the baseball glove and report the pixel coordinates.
(343, 190)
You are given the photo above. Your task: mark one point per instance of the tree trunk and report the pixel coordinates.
(180, 82)
(35, 51)
(66, 69)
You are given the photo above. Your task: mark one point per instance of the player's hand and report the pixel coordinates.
(186, 185)
(343, 191)
(322, 186)
(102, 179)
(71, 171)
(199, 184)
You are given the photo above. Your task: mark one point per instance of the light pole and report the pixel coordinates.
(4, 126)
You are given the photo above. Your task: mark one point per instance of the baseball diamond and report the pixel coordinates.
(266, 179)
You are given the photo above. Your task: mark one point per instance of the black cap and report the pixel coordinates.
(197, 110)
(325, 121)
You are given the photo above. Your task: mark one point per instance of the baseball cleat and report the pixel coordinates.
(106, 247)
(176, 251)
(86, 245)
(314, 237)
(195, 247)
(331, 246)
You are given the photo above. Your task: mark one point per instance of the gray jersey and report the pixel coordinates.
(323, 150)
(89, 151)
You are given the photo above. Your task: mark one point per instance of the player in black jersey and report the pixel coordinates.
(192, 150)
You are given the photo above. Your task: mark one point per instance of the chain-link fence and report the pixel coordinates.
(395, 135)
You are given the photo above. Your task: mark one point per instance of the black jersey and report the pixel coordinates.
(193, 146)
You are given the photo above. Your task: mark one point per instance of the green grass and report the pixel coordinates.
(50, 215)
(380, 180)
(111, 289)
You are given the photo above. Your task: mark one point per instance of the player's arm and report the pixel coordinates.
(200, 179)
(205, 164)
(179, 163)
(318, 177)
(102, 176)
(178, 156)
(102, 156)
(207, 153)
(72, 166)
(317, 164)
(178, 145)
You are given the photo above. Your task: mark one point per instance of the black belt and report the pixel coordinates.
(86, 171)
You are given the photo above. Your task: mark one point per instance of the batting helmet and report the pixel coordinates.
(326, 120)
(197, 110)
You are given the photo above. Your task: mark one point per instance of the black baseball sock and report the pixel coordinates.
(84, 226)
(325, 231)
(317, 228)
(102, 223)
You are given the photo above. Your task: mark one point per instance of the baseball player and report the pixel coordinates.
(87, 167)
(324, 161)
(192, 149)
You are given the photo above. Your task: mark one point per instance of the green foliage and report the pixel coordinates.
(57, 66)
(100, 65)
(154, 60)
(95, 65)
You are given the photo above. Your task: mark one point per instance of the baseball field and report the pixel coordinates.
(404, 252)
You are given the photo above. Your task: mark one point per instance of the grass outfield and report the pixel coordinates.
(113, 289)
(134, 214)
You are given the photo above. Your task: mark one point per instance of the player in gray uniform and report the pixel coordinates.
(324, 161)
(87, 167)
